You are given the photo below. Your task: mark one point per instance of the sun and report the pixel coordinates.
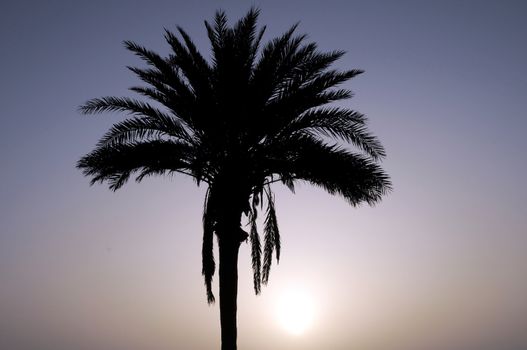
(295, 311)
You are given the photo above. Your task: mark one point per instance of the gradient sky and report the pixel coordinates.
(440, 264)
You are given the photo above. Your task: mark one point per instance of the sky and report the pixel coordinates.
(440, 263)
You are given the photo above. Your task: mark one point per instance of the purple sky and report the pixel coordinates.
(439, 264)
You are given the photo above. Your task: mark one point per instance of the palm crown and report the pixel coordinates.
(253, 115)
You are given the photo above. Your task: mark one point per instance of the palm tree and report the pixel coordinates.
(252, 116)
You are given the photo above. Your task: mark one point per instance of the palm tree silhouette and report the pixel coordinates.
(254, 115)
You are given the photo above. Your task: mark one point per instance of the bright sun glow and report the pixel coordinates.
(295, 311)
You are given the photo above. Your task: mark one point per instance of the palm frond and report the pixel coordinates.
(172, 88)
(145, 128)
(345, 124)
(269, 68)
(216, 32)
(355, 177)
(246, 38)
(190, 62)
(207, 250)
(162, 72)
(121, 104)
(297, 96)
(271, 238)
(115, 163)
(256, 250)
(151, 57)
(170, 124)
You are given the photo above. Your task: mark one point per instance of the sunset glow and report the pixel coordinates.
(296, 311)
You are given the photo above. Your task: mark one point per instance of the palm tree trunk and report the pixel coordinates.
(229, 246)
(232, 197)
